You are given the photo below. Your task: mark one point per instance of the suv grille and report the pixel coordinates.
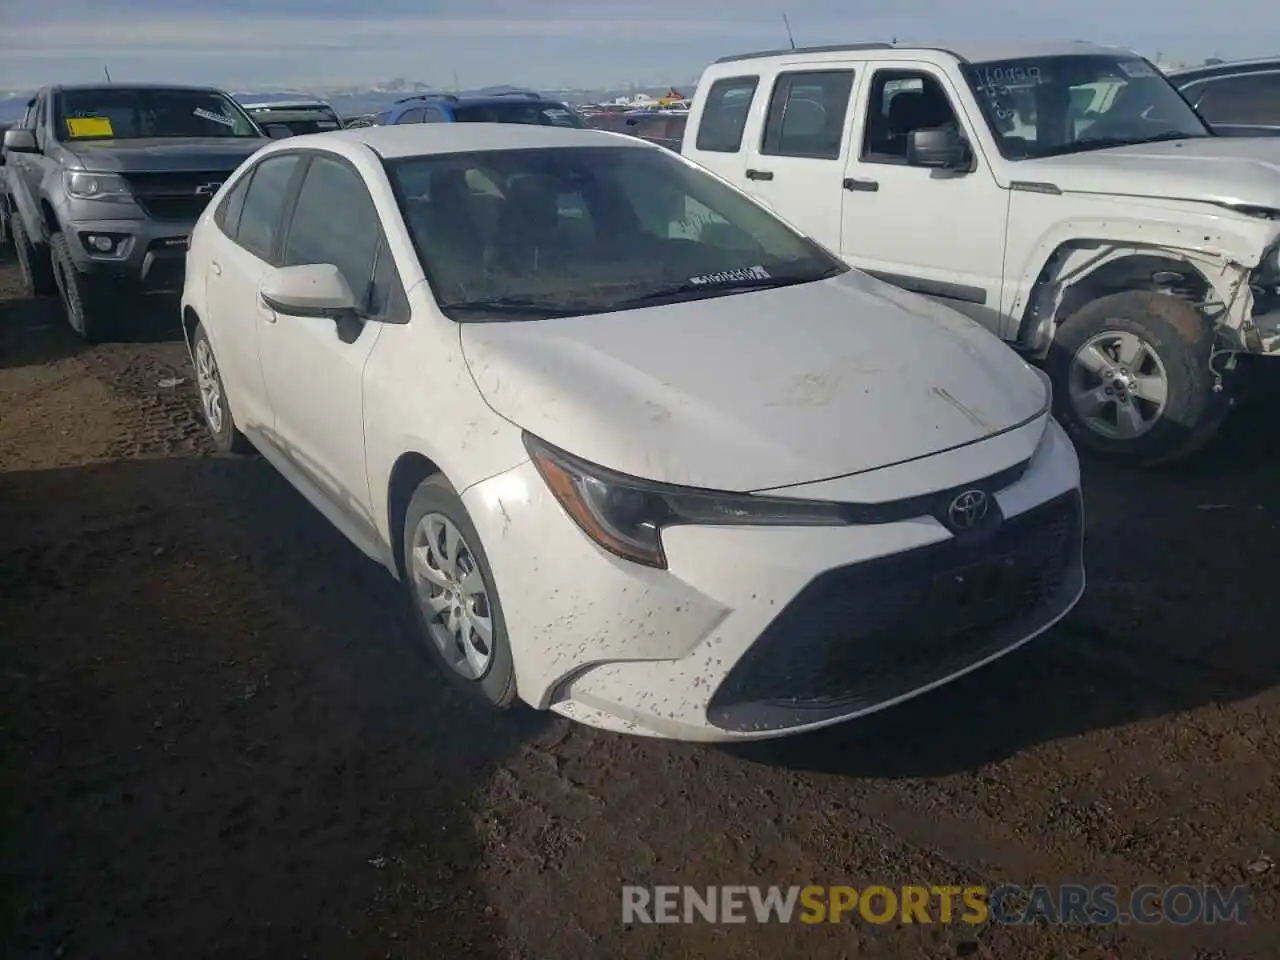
(173, 196)
(861, 635)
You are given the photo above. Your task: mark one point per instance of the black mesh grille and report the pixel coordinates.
(173, 196)
(861, 635)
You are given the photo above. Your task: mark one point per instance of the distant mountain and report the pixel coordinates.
(355, 101)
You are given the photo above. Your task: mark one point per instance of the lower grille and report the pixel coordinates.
(862, 635)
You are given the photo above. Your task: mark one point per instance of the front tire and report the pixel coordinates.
(89, 306)
(213, 397)
(455, 601)
(34, 267)
(1131, 378)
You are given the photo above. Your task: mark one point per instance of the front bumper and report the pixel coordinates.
(148, 255)
(758, 632)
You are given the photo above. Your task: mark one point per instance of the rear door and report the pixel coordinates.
(796, 165)
(720, 124)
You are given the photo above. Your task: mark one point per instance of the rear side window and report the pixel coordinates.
(432, 115)
(416, 115)
(1245, 98)
(807, 114)
(724, 116)
(264, 205)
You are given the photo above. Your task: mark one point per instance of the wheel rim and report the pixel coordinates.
(210, 385)
(453, 596)
(1118, 385)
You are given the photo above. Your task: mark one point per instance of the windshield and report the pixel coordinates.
(518, 234)
(528, 111)
(1048, 106)
(124, 113)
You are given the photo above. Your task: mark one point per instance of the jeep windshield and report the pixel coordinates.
(529, 234)
(126, 113)
(1050, 106)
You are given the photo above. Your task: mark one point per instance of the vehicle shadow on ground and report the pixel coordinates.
(220, 738)
(1179, 613)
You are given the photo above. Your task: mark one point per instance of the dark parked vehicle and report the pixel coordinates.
(102, 185)
(1240, 99)
(664, 129)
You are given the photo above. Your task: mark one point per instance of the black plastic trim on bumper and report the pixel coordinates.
(859, 637)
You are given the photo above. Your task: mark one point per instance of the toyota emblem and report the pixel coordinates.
(968, 509)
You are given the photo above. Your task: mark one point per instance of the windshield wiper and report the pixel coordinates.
(685, 288)
(524, 307)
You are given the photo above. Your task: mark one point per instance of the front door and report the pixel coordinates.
(937, 232)
(314, 368)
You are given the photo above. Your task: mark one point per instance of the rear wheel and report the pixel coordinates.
(1132, 380)
(91, 307)
(454, 597)
(213, 397)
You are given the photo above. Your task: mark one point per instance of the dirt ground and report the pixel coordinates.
(218, 739)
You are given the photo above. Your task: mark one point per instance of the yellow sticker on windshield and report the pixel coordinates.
(89, 127)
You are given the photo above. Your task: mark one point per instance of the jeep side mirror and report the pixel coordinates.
(941, 149)
(21, 141)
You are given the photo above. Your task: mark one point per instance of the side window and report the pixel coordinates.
(807, 113)
(29, 115)
(1194, 91)
(227, 216)
(901, 102)
(724, 116)
(332, 193)
(387, 299)
(41, 100)
(1245, 98)
(432, 115)
(416, 115)
(263, 205)
(380, 119)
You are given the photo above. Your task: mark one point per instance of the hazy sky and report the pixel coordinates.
(242, 43)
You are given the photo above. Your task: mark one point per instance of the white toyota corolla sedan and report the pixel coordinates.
(641, 452)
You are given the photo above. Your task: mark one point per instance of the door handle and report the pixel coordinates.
(215, 268)
(759, 174)
(854, 184)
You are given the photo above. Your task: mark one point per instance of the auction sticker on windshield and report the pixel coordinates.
(732, 276)
(89, 127)
(215, 117)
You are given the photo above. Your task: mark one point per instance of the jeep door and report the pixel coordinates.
(932, 231)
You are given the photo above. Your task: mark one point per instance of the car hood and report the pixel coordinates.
(757, 390)
(164, 155)
(1222, 170)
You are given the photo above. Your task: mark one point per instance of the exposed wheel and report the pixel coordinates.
(213, 397)
(91, 308)
(34, 267)
(454, 598)
(1132, 380)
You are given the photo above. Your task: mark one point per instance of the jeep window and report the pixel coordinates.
(126, 113)
(901, 102)
(517, 111)
(524, 234)
(807, 113)
(334, 193)
(1244, 99)
(1049, 106)
(264, 205)
(724, 115)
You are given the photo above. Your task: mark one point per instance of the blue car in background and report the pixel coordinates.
(521, 106)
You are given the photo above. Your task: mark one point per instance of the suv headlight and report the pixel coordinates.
(96, 186)
(625, 515)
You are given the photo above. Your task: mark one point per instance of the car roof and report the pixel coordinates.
(971, 51)
(1223, 69)
(422, 139)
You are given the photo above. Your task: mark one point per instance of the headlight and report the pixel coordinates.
(96, 186)
(625, 515)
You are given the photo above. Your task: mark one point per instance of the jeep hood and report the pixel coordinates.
(1220, 170)
(757, 390)
(163, 155)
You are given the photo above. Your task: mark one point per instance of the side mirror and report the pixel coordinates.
(277, 131)
(21, 141)
(316, 290)
(942, 149)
